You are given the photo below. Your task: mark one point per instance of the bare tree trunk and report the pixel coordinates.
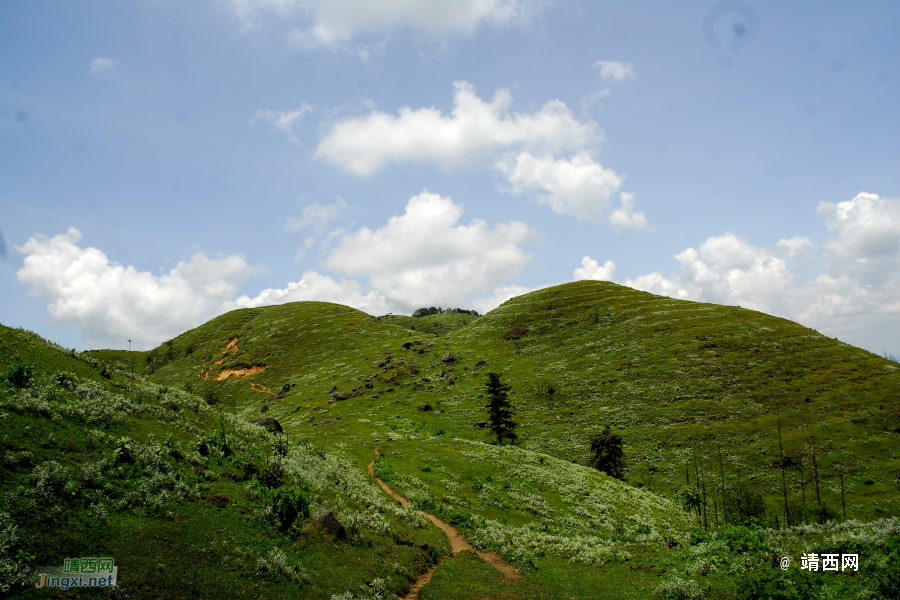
(787, 514)
(843, 503)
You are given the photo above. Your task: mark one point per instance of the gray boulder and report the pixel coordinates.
(269, 423)
(448, 357)
(325, 520)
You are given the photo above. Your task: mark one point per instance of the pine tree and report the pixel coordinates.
(499, 409)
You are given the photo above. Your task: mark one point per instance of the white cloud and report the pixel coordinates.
(112, 303)
(868, 236)
(501, 294)
(317, 215)
(625, 215)
(577, 186)
(611, 70)
(333, 23)
(284, 121)
(855, 296)
(591, 269)
(424, 256)
(320, 288)
(473, 132)
(102, 65)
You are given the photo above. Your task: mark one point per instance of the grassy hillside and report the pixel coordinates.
(434, 324)
(713, 403)
(110, 467)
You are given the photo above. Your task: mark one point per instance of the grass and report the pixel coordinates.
(696, 391)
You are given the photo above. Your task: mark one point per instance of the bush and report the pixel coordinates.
(678, 589)
(19, 374)
(888, 578)
(607, 454)
(742, 505)
(515, 333)
(289, 504)
(12, 571)
(774, 584)
(66, 379)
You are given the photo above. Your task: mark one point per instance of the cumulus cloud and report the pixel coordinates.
(474, 130)
(523, 147)
(577, 186)
(855, 295)
(591, 269)
(611, 70)
(333, 23)
(102, 65)
(112, 303)
(501, 294)
(320, 288)
(425, 256)
(285, 121)
(316, 215)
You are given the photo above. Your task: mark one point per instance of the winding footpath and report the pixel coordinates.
(458, 542)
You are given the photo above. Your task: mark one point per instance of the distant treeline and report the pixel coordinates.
(421, 312)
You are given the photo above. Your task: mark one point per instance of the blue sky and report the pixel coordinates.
(162, 162)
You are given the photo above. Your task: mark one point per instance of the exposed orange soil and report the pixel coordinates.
(226, 373)
(458, 542)
(232, 346)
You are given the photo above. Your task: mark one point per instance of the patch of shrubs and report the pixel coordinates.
(424, 312)
(514, 333)
(20, 374)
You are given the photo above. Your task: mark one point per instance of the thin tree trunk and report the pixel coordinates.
(787, 517)
(816, 476)
(843, 503)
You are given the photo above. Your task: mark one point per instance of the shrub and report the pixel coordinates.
(742, 505)
(515, 333)
(607, 454)
(678, 589)
(66, 379)
(12, 571)
(289, 504)
(19, 374)
(774, 584)
(50, 479)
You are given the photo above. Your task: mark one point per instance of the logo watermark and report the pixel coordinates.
(829, 562)
(78, 572)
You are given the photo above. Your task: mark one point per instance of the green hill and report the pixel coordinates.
(722, 409)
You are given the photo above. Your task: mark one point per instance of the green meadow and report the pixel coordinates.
(748, 440)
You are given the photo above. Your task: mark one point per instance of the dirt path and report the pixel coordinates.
(458, 542)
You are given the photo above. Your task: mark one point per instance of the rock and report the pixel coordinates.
(333, 389)
(482, 424)
(450, 381)
(269, 423)
(425, 407)
(407, 345)
(384, 361)
(514, 333)
(325, 520)
(441, 373)
(340, 396)
(412, 369)
(481, 363)
(369, 384)
(286, 388)
(264, 408)
(296, 408)
(448, 357)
